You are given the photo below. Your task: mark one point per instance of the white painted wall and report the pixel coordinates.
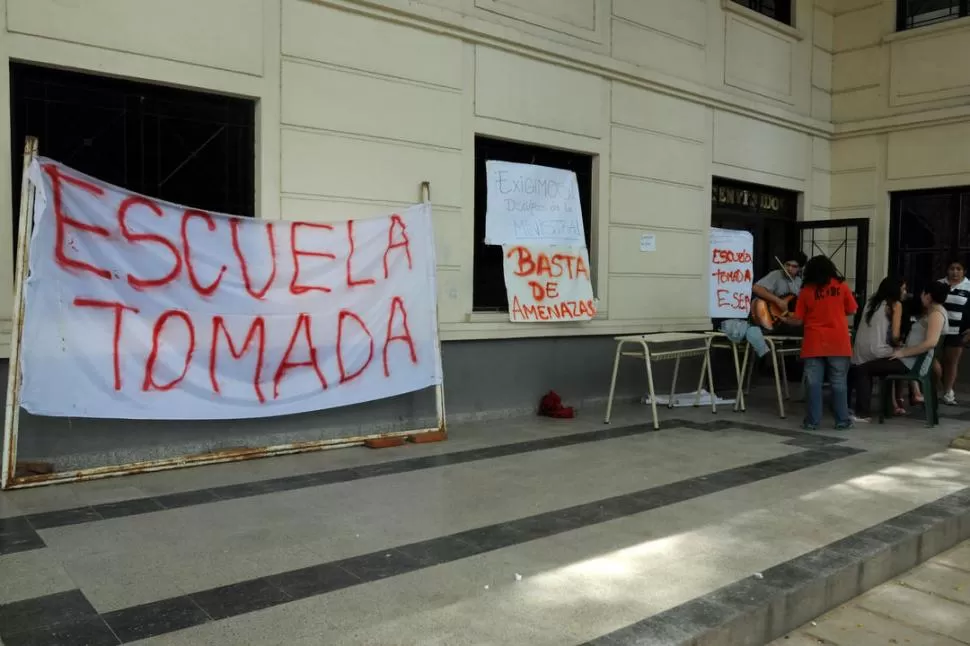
(360, 102)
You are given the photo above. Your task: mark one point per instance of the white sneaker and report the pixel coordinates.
(860, 420)
(950, 399)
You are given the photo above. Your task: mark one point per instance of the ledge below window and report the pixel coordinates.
(787, 30)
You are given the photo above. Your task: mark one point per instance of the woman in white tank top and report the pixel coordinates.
(879, 330)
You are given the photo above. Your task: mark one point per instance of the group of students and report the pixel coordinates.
(895, 331)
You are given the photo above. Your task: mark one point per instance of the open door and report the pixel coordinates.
(846, 243)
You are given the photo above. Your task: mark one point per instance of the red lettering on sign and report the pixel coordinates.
(564, 310)
(722, 276)
(344, 376)
(402, 243)
(119, 312)
(143, 283)
(351, 282)
(257, 327)
(243, 265)
(541, 264)
(398, 304)
(726, 256)
(149, 383)
(63, 220)
(295, 286)
(210, 223)
(302, 324)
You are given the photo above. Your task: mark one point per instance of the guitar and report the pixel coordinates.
(767, 315)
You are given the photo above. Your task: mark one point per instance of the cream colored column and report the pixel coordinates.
(6, 191)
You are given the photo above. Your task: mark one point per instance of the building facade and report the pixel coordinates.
(672, 112)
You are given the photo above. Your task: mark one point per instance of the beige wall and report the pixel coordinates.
(901, 107)
(360, 102)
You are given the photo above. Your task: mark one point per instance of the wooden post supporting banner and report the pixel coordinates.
(11, 425)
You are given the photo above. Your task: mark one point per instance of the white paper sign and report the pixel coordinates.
(731, 266)
(142, 309)
(648, 242)
(532, 204)
(547, 283)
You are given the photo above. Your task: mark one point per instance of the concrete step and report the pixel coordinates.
(770, 604)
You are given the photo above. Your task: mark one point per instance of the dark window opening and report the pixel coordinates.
(779, 10)
(920, 13)
(182, 146)
(770, 214)
(488, 293)
(928, 229)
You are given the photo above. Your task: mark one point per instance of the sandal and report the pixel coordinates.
(899, 408)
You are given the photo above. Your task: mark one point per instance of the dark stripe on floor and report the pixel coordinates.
(169, 615)
(755, 609)
(18, 534)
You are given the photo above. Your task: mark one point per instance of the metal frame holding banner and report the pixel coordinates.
(11, 479)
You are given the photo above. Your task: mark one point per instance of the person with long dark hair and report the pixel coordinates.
(922, 339)
(880, 329)
(824, 305)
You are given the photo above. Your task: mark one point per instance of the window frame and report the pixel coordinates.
(789, 10)
(488, 258)
(903, 17)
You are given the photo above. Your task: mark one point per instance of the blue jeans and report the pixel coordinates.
(814, 376)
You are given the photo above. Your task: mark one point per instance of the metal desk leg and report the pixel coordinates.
(710, 378)
(653, 394)
(774, 365)
(673, 383)
(739, 369)
(616, 366)
(754, 365)
(700, 382)
(784, 377)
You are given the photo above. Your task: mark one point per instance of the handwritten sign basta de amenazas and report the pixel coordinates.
(548, 283)
(731, 266)
(141, 309)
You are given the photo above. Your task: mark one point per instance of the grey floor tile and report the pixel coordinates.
(87, 632)
(139, 622)
(34, 573)
(52, 610)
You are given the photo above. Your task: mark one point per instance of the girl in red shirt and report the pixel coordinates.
(824, 305)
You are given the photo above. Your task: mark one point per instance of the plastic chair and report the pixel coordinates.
(921, 372)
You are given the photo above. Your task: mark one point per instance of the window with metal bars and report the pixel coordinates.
(779, 10)
(920, 13)
(488, 277)
(183, 146)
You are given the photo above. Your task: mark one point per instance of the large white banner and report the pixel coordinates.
(142, 309)
(532, 204)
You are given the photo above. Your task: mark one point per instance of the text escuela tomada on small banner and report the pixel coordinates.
(141, 309)
(534, 213)
(731, 279)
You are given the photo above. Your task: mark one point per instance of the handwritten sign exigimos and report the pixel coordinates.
(532, 204)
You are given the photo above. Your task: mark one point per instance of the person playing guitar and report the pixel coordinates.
(775, 294)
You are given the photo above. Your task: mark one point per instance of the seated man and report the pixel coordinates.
(778, 290)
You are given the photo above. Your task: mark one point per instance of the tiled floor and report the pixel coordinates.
(929, 606)
(526, 531)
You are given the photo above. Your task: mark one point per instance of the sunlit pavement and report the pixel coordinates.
(527, 531)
